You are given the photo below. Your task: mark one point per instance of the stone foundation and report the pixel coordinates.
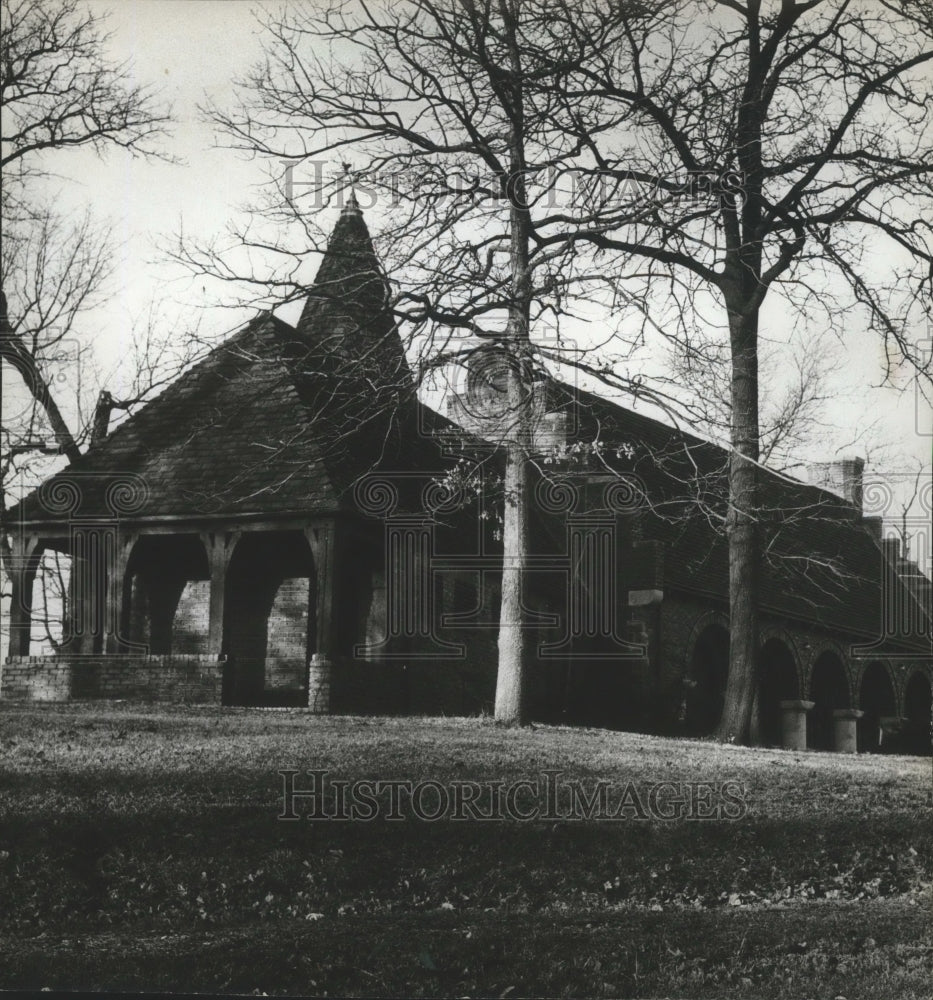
(177, 678)
(319, 678)
(845, 730)
(794, 723)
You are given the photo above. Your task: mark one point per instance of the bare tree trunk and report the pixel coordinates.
(13, 352)
(510, 680)
(742, 528)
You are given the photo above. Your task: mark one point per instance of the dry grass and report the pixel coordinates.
(139, 849)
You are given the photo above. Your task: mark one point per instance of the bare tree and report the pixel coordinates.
(795, 393)
(54, 271)
(766, 148)
(435, 103)
(686, 161)
(58, 89)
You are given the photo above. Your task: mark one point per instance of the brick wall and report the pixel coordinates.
(192, 618)
(683, 616)
(285, 674)
(267, 626)
(246, 617)
(287, 635)
(176, 679)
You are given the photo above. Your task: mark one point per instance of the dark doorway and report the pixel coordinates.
(829, 690)
(918, 707)
(706, 681)
(777, 682)
(876, 700)
(268, 619)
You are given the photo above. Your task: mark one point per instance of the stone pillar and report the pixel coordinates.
(845, 728)
(25, 562)
(322, 539)
(93, 547)
(219, 546)
(794, 724)
(116, 625)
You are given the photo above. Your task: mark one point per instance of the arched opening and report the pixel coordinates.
(829, 690)
(48, 603)
(777, 682)
(167, 599)
(706, 681)
(268, 618)
(918, 707)
(876, 700)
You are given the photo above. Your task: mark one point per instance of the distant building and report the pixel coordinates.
(287, 524)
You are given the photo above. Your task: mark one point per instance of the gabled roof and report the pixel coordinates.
(821, 562)
(275, 420)
(242, 432)
(226, 437)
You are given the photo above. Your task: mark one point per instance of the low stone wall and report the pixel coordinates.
(285, 673)
(177, 678)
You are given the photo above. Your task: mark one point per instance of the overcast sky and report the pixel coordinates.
(192, 50)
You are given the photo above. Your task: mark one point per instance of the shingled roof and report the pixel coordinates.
(275, 420)
(280, 420)
(822, 563)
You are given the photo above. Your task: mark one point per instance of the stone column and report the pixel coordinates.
(794, 724)
(219, 546)
(322, 539)
(116, 630)
(845, 729)
(25, 561)
(93, 546)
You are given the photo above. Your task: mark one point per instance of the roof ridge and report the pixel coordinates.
(178, 384)
(696, 440)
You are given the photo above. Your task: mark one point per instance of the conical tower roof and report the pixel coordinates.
(350, 274)
(346, 353)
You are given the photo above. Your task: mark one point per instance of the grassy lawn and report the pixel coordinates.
(140, 849)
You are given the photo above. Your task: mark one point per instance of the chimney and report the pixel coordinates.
(852, 469)
(844, 478)
(102, 411)
(891, 546)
